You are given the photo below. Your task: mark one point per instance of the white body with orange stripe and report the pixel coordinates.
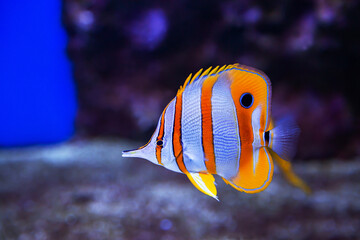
(220, 123)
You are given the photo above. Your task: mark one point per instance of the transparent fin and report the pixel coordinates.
(284, 137)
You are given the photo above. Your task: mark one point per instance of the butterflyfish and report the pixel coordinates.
(220, 123)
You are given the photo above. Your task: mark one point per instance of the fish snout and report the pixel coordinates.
(132, 153)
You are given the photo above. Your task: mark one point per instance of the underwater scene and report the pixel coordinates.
(179, 119)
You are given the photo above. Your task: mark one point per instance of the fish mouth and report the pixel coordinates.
(138, 152)
(126, 151)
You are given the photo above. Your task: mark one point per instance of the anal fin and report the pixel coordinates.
(204, 182)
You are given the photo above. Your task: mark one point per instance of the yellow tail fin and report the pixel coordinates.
(291, 177)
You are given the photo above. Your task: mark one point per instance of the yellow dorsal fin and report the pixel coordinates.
(222, 68)
(196, 75)
(200, 74)
(180, 90)
(214, 70)
(187, 80)
(205, 72)
(204, 182)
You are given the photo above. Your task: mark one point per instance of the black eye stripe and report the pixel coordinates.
(246, 100)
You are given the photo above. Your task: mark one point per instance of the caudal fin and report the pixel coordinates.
(283, 138)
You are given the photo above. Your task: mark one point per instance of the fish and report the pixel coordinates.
(219, 123)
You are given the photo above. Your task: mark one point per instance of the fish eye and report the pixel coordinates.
(246, 100)
(159, 142)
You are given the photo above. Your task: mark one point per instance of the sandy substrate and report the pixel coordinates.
(85, 190)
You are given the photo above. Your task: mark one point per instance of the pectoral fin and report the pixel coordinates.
(291, 177)
(204, 182)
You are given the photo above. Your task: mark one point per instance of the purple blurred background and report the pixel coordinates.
(130, 57)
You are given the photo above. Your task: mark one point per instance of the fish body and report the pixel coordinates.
(220, 123)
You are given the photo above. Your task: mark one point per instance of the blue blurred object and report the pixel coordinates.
(37, 94)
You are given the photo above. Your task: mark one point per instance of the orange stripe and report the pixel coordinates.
(246, 177)
(160, 137)
(177, 143)
(207, 128)
(245, 127)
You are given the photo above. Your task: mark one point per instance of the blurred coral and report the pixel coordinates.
(130, 57)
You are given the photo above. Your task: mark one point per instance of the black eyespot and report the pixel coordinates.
(246, 100)
(159, 142)
(267, 136)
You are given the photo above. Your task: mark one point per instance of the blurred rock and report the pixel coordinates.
(149, 30)
(90, 192)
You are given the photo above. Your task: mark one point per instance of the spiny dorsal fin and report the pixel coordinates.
(208, 72)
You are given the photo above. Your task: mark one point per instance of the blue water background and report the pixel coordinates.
(37, 95)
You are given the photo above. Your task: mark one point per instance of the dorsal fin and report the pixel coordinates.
(208, 72)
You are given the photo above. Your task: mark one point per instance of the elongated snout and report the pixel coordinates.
(134, 153)
(147, 152)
